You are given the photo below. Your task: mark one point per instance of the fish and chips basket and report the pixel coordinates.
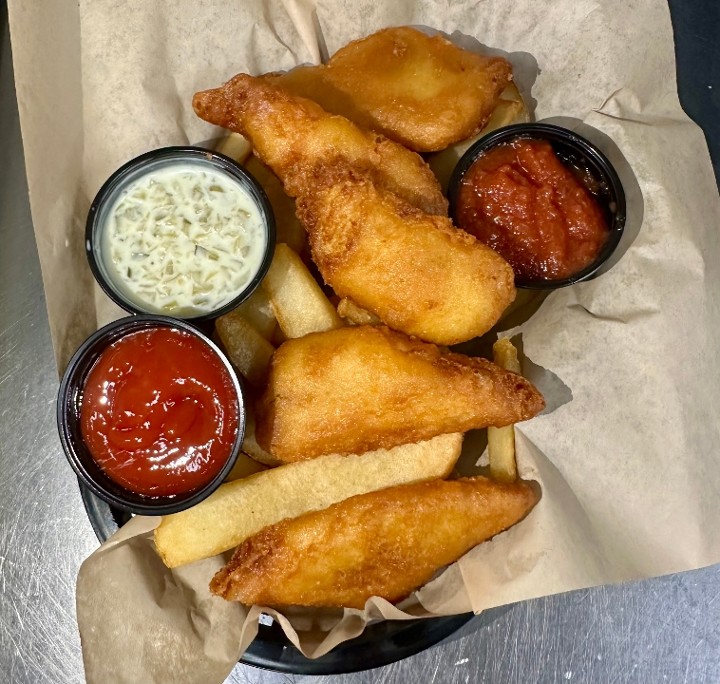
(623, 452)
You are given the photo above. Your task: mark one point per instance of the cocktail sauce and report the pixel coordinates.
(159, 412)
(521, 200)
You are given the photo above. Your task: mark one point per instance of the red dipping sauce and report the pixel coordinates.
(160, 412)
(522, 201)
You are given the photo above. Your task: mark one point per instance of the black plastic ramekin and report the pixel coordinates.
(573, 150)
(140, 166)
(68, 418)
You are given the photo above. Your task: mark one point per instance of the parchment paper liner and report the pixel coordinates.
(628, 467)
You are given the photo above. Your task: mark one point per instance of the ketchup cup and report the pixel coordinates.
(151, 414)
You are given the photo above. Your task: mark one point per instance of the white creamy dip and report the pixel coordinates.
(183, 239)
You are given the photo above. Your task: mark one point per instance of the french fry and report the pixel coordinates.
(258, 311)
(501, 441)
(248, 350)
(250, 445)
(244, 467)
(505, 355)
(239, 509)
(288, 228)
(234, 146)
(300, 305)
(511, 109)
(354, 314)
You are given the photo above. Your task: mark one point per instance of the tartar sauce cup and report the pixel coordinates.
(574, 152)
(100, 386)
(180, 231)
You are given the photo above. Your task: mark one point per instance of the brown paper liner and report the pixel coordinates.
(625, 452)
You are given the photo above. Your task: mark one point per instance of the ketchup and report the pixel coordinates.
(159, 412)
(522, 201)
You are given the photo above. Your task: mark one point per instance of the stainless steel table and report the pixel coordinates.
(664, 630)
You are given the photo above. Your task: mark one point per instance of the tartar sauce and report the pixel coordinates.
(183, 239)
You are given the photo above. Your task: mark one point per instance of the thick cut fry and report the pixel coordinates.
(501, 440)
(355, 315)
(417, 273)
(234, 146)
(258, 311)
(244, 467)
(505, 355)
(300, 305)
(295, 136)
(250, 445)
(501, 452)
(248, 350)
(359, 388)
(239, 509)
(421, 91)
(385, 543)
(287, 226)
(510, 109)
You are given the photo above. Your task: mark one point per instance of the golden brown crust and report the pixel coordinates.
(360, 388)
(421, 91)
(374, 214)
(385, 543)
(294, 136)
(416, 272)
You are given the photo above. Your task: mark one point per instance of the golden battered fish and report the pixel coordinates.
(295, 137)
(360, 388)
(385, 543)
(421, 91)
(416, 272)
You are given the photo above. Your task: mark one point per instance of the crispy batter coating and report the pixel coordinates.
(360, 388)
(295, 137)
(385, 543)
(416, 272)
(421, 91)
(374, 212)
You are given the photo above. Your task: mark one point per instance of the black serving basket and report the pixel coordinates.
(380, 644)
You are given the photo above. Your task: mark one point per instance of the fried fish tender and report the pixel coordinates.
(295, 136)
(510, 109)
(421, 91)
(385, 543)
(360, 388)
(287, 226)
(416, 272)
(236, 511)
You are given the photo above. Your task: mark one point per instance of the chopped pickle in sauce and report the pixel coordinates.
(184, 239)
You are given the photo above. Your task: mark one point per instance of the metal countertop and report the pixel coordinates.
(662, 630)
